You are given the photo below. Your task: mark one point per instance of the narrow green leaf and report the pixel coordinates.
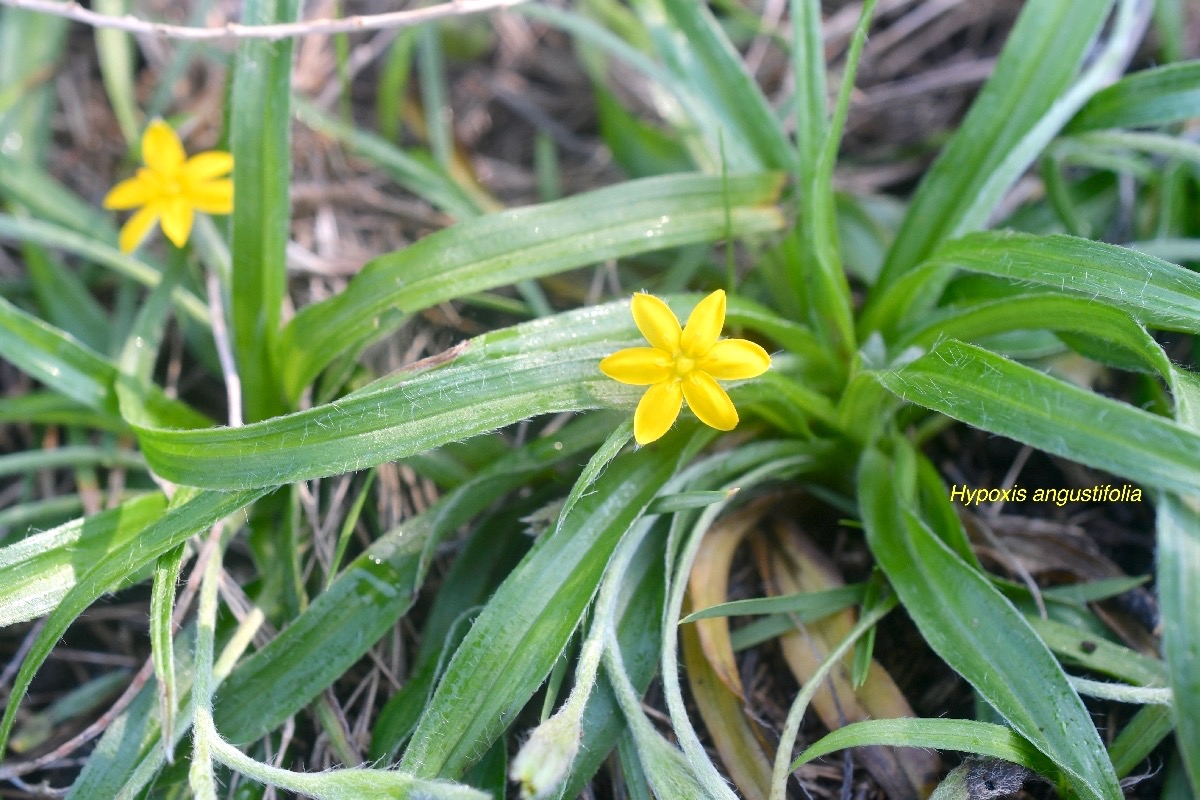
(683, 501)
(640, 148)
(431, 76)
(698, 51)
(965, 735)
(44, 407)
(38, 571)
(1157, 293)
(31, 45)
(940, 513)
(130, 752)
(1171, 30)
(392, 92)
(1092, 591)
(162, 645)
(1140, 736)
(367, 598)
(1152, 97)
(1043, 311)
(64, 299)
(69, 456)
(1179, 594)
(812, 97)
(761, 630)
(349, 523)
(37, 192)
(1040, 58)
(1000, 396)
(979, 633)
(87, 246)
(638, 608)
(34, 515)
(494, 548)
(115, 51)
(75, 705)
(364, 430)
(260, 138)
(56, 359)
(603, 456)
(507, 247)
(520, 633)
(173, 528)
(821, 272)
(806, 606)
(503, 377)
(1098, 655)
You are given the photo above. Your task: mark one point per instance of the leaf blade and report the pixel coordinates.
(1040, 58)
(981, 635)
(507, 247)
(260, 140)
(532, 614)
(1001, 396)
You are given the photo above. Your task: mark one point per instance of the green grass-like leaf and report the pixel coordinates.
(260, 140)
(38, 571)
(1155, 292)
(1001, 396)
(367, 598)
(170, 530)
(1043, 311)
(981, 635)
(1152, 97)
(1039, 59)
(1178, 575)
(970, 736)
(504, 248)
(494, 380)
(806, 607)
(520, 633)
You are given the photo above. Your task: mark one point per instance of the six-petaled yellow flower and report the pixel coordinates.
(683, 363)
(171, 188)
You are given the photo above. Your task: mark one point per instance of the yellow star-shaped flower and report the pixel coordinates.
(171, 187)
(683, 363)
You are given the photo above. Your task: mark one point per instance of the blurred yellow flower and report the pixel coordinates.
(683, 363)
(171, 188)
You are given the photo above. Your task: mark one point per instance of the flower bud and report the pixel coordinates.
(546, 757)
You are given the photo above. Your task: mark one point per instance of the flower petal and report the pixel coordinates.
(177, 218)
(136, 227)
(208, 165)
(657, 411)
(708, 401)
(656, 321)
(161, 150)
(212, 197)
(639, 366)
(131, 193)
(735, 360)
(704, 325)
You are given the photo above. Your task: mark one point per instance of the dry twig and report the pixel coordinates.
(232, 30)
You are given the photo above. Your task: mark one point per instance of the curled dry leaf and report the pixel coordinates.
(790, 563)
(710, 664)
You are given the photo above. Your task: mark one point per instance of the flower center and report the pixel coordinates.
(684, 365)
